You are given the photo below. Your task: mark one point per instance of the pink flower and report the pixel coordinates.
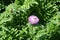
(33, 19)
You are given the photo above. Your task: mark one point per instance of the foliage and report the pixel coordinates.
(14, 23)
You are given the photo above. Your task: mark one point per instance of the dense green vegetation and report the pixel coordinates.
(14, 24)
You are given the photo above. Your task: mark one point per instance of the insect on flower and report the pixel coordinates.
(33, 19)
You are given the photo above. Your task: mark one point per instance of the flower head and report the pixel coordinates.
(33, 19)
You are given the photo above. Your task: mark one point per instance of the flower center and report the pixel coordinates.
(34, 18)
